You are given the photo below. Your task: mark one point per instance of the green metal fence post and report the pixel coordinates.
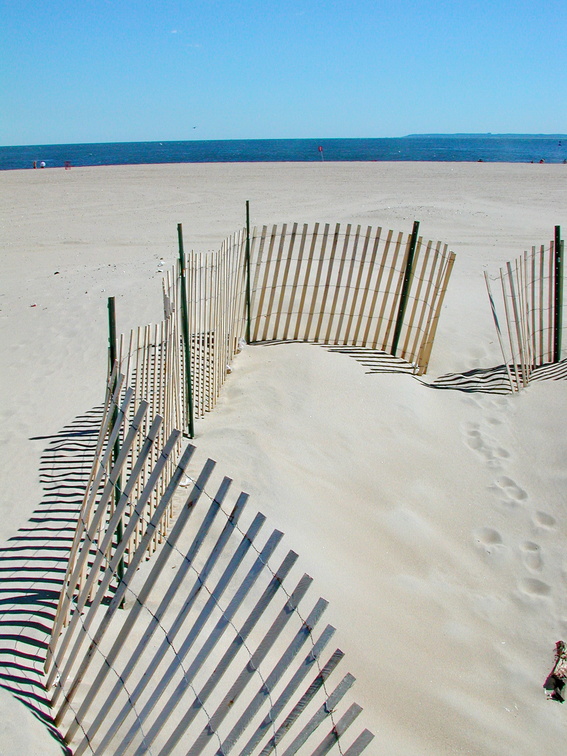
(186, 340)
(248, 315)
(112, 354)
(558, 295)
(405, 287)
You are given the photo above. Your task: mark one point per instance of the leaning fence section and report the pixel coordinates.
(348, 286)
(527, 299)
(146, 374)
(150, 360)
(213, 648)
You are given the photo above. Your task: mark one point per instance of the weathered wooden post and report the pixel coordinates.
(186, 337)
(405, 287)
(558, 295)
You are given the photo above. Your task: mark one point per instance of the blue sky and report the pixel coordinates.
(137, 70)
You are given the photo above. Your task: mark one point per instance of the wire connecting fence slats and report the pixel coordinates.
(528, 292)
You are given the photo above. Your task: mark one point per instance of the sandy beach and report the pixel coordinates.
(434, 521)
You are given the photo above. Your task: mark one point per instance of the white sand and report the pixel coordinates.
(434, 521)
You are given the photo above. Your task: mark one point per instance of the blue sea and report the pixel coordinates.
(492, 148)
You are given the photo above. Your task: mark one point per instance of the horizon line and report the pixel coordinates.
(464, 134)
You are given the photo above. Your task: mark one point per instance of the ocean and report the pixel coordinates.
(492, 148)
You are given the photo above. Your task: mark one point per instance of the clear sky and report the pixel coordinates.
(144, 70)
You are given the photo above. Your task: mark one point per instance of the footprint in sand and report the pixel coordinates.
(490, 541)
(484, 445)
(544, 520)
(534, 587)
(531, 556)
(512, 492)
(493, 421)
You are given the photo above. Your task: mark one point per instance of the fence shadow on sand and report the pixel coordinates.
(490, 380)
(33, 565)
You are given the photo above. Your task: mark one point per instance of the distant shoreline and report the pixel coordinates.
(413, 148)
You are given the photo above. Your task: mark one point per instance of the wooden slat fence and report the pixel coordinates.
(211, 648)
(340, 286)
(216, 316)
(525, 303)
(343, 286)
(150, 358)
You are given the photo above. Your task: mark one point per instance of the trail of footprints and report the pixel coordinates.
(510, 499)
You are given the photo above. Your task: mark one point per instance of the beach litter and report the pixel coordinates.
(555, 682)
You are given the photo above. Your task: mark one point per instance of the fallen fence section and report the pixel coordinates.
(529, 295)
(212, 647)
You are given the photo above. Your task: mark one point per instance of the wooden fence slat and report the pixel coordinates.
(542, 304)
(434, 314)
(257, 257)
(283, 286)
(264, 286)
(517, 324)
(223, 292)
(295, 281)
(327, 286)
(359, 745)
(422, 301)
(376, 291)
(354, 263)
(533, 310)
(499, 332)
(513, 351)
(256, 260)
(420, 261)
(305, 284)
(241, 319)
(357, 285)
(338, 730)
(337, 285)
(524, 309)
(366, 291)
(274, 285)
(318, 274)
